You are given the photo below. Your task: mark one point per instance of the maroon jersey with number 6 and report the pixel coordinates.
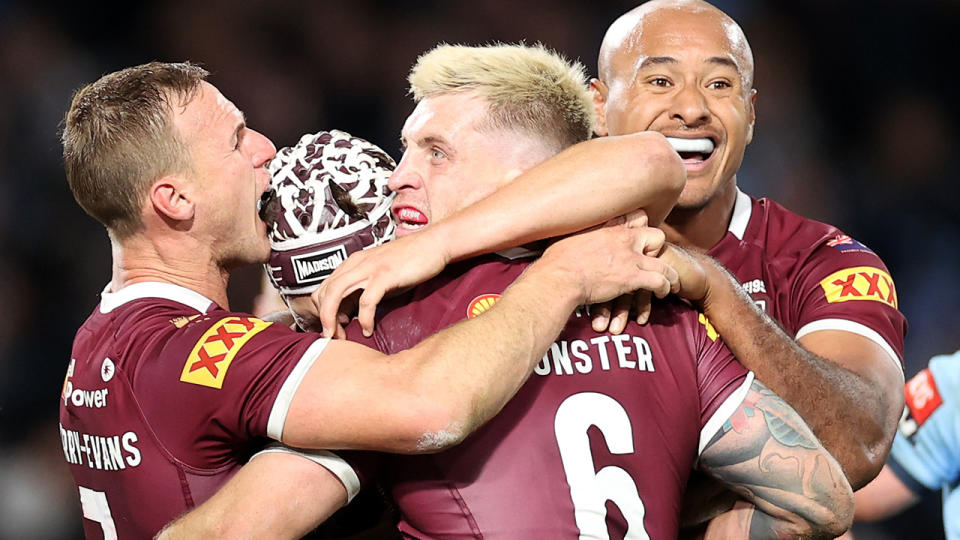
(165, 396)
(602, 437)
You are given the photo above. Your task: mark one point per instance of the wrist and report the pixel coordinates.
(556, 283)
(443, 242)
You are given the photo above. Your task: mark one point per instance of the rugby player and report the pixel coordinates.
(926, 450)
(811, 310)
(167, 390)
(607, 421)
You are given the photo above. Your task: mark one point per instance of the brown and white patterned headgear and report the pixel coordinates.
(328, 198)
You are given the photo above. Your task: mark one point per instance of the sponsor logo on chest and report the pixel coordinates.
(78, 397)
(480, 304)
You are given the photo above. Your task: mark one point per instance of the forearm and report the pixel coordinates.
(745, 521)
(766, 454)
(276, 495)
(504, 343)
(584, 185)
(853, 415)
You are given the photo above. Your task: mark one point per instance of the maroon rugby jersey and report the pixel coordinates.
(601, 437)
(810, 276)
(165, 396)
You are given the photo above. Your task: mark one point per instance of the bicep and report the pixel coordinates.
(871, 358)
(867, 358)
(275, 495)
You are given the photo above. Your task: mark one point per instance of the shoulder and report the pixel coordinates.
(783, 232)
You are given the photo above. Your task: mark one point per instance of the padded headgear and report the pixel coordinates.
(328, 198)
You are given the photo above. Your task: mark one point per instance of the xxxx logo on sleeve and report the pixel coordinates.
(860, 283)
(211, 357)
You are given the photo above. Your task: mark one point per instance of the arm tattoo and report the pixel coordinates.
(768, 455)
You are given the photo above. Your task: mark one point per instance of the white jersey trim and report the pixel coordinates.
(278, 414)
(722, 413)
(326, 459)
(110, 301)
(853, 327)
(742, 209)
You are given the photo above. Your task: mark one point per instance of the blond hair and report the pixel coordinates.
(118, 137)
(529, 89)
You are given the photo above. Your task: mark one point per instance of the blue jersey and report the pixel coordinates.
(926, 450)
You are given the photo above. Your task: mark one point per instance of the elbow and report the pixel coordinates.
(841, 518)
(654, 168)
(874, 447)
(835, 507)
(433, 425)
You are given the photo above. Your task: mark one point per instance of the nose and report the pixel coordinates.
(690, 107)
(262, 149)
(405, 176)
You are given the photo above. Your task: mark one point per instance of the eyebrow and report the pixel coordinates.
(241, 125)
(657, 60)
(424, 141)
(723, 61)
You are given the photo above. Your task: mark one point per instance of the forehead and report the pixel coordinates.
(687, 36)
(445, 115)
(207, 111)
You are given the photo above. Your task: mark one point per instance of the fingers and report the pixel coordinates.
(328, 299)
(636, 219)
(367, 304)
(643, 302)
(600, 316)
(649, 240)
(621, 313)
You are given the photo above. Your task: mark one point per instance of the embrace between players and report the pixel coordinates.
(602, 439)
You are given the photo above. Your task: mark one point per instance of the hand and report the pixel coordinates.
(692, 270)
(402, 263)
(613, 315)
(611, 261)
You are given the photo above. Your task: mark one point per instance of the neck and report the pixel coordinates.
(702, 227)
(182, 263)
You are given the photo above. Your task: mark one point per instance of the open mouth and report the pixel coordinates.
(692, 150)
(268, 207)
(410, 218)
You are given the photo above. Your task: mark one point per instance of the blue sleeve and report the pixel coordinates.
(926, 450)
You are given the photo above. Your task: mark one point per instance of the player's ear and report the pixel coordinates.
(599, 90)
(751, 113)
(172, 199)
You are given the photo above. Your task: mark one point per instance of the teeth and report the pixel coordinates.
(410, 214)
(704, 145)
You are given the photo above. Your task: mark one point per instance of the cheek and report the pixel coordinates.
(630, 113)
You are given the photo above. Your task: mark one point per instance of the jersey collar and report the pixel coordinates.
(110, 301)
(742, 208)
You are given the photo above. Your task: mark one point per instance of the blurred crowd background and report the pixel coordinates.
(854, 127)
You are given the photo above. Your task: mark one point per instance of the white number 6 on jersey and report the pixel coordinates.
(590, 491)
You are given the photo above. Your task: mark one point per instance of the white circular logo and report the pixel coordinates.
(107, 369)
